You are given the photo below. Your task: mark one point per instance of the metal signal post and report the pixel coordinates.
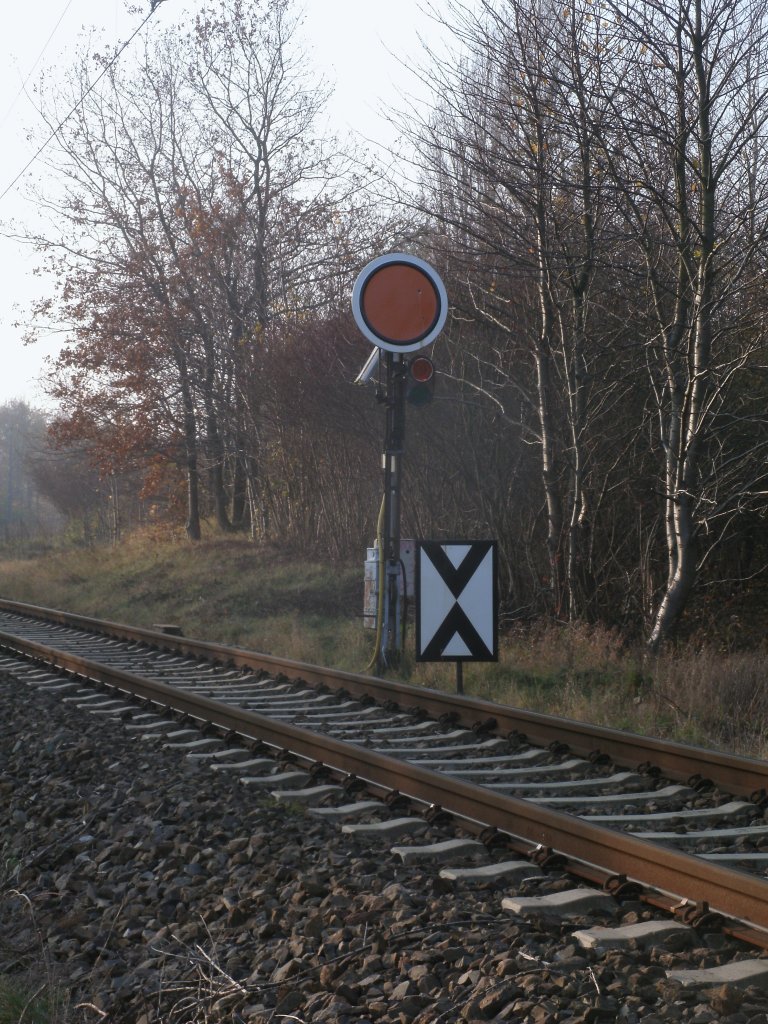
(400, 305)
(394, 449)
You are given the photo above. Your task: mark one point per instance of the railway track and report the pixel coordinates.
(680, 828)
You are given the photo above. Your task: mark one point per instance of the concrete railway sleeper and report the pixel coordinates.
(175, 894)
(371, 736)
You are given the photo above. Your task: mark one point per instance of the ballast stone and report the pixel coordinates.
(235, 906)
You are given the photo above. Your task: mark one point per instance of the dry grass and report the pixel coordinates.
(586, 673)
(32, 987)
(720, 699)
(26, 999)
(274, 601)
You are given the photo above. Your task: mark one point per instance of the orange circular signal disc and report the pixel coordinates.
(399, 303)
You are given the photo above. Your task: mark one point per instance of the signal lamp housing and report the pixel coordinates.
(420, 381)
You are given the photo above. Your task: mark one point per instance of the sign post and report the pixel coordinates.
(457, 611)
(400, 305)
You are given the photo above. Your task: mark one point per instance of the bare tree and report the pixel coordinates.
(686, 152)
(596, 170)
(196, 219)
(511, 170)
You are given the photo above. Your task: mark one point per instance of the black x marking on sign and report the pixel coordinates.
(456, 622)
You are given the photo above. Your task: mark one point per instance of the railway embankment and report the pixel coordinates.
(708, 690)
(141, 887)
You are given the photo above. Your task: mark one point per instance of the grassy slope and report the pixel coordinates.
(230, 591)
(220, 590)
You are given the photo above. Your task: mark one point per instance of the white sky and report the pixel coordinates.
(361, 47)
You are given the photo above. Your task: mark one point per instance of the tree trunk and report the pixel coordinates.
(190, 454)
(688, 417)
(214, 442)
(543, 361)
(682, 580)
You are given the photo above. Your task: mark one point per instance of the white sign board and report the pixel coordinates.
(457, 613)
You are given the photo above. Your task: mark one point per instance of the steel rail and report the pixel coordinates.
(602, 852)
(741, 776)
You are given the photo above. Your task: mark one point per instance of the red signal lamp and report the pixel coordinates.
(420, 381)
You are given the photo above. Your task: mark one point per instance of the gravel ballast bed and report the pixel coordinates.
(146, 888)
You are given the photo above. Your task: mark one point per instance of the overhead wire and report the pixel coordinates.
(110, 64)
(39, 57)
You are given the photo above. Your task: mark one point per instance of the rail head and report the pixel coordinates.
(741, 776)
(734, 894)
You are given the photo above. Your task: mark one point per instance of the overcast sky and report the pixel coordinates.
(361, 47)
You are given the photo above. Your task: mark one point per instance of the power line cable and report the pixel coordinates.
(39, 57)
(154, 5)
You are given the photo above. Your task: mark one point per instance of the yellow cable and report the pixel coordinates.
(380, 595)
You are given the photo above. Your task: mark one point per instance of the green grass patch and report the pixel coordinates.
(28, 999)
(264, 598)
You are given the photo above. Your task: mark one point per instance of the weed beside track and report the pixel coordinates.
(275, 601)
